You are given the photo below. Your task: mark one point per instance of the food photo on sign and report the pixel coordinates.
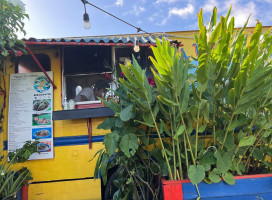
(41, 119)
(44, 146)
(42, 105)
(41, 133)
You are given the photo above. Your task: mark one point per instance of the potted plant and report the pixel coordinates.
(12, 181)
(213, 126)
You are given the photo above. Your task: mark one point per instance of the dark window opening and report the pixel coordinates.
(86, 60)
(84, 67)
(26, 64)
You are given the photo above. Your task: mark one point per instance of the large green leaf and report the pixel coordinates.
(200, 18)
(254, 40)
(238, 123)
(167, 102)
(129, 144)
(214, 176)
(258, 154)
(134, 90)
(130, 76)
(185, 97)
(148, 118)
(196, 173)
(247, 141)
(179, 132)
(208, 158)
(104, 167)
(229, 178)
(202, 128)
(202, 70)
(126, 113)
(223, 162)
(107, 124)
(258, 77)
(216, 33)
(111, 142)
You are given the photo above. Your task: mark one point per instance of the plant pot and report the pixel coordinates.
(247, 187)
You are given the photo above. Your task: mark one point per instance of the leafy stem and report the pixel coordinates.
(249, 156)
(159, 135)
(245, 151)
(233, 113)
(213, 115)
(197, 123)
(186, 132)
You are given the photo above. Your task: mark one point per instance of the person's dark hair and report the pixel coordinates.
(101, 84)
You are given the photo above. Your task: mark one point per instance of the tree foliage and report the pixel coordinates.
(11, 23)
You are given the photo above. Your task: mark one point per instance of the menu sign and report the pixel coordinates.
(30, 113)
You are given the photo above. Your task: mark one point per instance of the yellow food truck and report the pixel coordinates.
(65, 171)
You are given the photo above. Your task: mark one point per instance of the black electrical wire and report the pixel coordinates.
(138, 28)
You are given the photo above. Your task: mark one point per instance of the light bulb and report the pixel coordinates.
(136, 45)
(136, 48)
(87, 25)
(86, 21)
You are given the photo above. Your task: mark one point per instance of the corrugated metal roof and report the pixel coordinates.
(112, 39)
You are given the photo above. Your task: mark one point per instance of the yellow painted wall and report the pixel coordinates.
(72, 190)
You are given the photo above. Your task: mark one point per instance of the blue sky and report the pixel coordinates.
(64, 18)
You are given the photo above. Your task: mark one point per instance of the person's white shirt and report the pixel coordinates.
(87, 93)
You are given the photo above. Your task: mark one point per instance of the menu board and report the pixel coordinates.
(30, 113)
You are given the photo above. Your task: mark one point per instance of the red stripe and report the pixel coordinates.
(40, 66)
(236, 177)
(25, 192)
(85, 43)
(90, 132)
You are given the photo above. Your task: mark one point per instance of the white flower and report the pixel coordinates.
(2, 173)
(18, 3)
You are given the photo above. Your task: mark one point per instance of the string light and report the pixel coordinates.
(136, 47)
(86, 2)
(86, 19)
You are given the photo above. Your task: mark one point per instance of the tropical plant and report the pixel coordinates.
(210, 125)
(132, 168)
(11, 181)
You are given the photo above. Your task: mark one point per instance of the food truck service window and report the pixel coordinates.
(84, 71)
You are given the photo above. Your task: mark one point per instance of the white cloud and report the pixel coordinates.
(154, 17)
(164, 21)
(182, 12)
(136, 10)
(161, 22)
(165, 1)
(241, 12)
(119, 3)
(158, 18)
(209, 5)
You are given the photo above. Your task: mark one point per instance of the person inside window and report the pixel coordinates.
(91, 93)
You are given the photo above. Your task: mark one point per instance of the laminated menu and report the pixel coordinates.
(30, 113)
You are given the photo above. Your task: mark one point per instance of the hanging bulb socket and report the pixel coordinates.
(136, 47)
(86, 21)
